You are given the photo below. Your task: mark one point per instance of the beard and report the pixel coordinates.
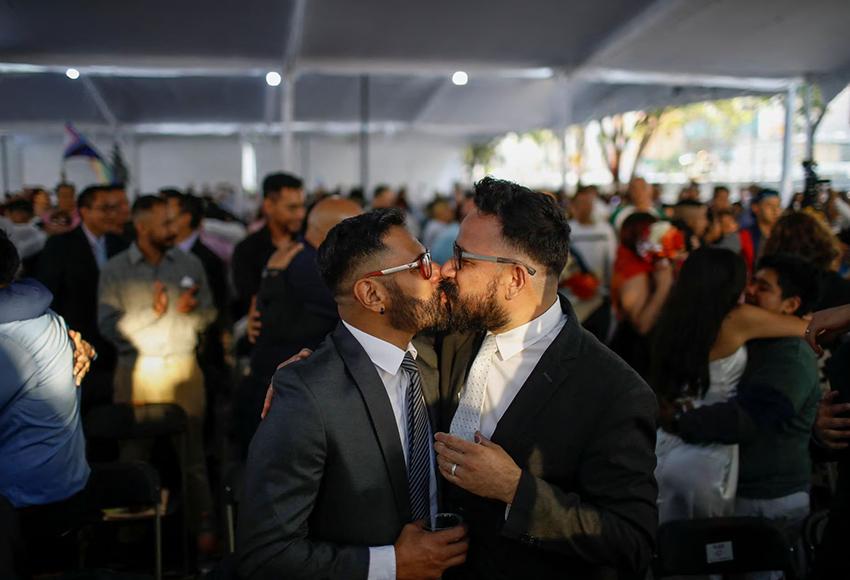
(474, 313)
(415, 315)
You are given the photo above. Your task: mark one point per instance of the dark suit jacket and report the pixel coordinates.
(68, 268)
(216, 276)
(249, 259)
(582, 428)
(297, 311)
(326, 476)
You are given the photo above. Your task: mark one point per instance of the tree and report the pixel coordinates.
(617, 132)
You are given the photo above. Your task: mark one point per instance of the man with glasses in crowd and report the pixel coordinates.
(340, 479)
(548, 442)
(70, 268)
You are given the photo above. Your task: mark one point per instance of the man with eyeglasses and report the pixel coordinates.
(70, 268)
(548, 438)
(340, 479)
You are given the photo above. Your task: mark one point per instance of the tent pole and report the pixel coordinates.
(364, 134)
(566, 116)
(287, 119)
(787, 186)
(807, 111)
(5, 161)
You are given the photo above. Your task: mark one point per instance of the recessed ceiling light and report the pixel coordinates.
(460, 78)
(273, 79)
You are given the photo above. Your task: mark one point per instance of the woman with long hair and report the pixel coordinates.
(639, 288)
(698, 357)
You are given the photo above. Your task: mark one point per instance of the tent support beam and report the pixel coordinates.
(787, 184)
(364, 135)
(287, 117)
(101, 104)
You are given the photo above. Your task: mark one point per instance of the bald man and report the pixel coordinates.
(296, 309)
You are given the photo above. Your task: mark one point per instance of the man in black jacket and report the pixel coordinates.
(549, 442)
(70, 268)
(296, 310)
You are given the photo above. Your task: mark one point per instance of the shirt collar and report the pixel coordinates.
(382, 354)
(186, 245)
(520, 338)
(136, 255)
(93, 239)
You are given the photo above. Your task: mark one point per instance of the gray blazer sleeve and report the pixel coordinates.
(613, 521)
(282, 479)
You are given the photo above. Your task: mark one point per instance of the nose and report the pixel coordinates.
(436, 272)
(448, 269)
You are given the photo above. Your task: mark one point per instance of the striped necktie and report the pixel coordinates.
(418, 443)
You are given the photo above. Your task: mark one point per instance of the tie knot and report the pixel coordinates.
(408, 364)
(489, 346)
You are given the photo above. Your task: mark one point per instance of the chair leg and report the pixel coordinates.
(158, 547)
(231, 528)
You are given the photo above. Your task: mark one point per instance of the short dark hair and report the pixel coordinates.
(796, 277)
(274, 182)
(764, 194)
(88, 195)
(634, 228)
(146, 203)
(10, 260)
(20, 204)
(531, 221)
(718, 189)
(188, 203)
(689, 203)
(351, 242)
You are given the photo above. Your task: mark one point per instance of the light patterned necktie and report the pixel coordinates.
(467, 419)
(418, 443)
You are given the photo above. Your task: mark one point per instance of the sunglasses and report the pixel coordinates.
(460, 255)
(423, 262)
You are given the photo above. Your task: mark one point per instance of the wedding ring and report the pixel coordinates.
(454, 468)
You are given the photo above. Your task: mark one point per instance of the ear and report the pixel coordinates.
(371, 295)
(790, 305)
(518, 281)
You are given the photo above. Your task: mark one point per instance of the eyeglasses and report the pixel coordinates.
(423, 262)
(460, 255)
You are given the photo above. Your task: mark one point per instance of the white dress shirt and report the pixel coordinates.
(98, 247)
(387, 359)
(186, 245)
(518, 352)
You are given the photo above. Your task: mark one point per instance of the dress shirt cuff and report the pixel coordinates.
(381, 563)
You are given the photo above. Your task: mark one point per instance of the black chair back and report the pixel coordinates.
(723, 546)
(125, 421)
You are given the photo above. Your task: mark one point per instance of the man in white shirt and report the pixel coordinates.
(594, 240)
(340, 479)
(548, 441)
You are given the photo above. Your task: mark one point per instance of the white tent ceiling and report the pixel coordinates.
(193, 66)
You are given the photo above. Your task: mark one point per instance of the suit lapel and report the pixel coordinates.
(548, 375)
(458, 351)
(380, 412)
(86, 252)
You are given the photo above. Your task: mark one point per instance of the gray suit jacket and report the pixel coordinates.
(326, 476)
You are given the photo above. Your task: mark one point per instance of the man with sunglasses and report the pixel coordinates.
(341, 476)
(548, 437)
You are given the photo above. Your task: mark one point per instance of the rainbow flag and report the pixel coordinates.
(78, 146)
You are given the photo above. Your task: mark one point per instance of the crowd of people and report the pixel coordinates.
(562, 371)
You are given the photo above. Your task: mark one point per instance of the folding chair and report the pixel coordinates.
(723, 546)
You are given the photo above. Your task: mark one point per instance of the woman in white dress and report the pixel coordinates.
(699, 354)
